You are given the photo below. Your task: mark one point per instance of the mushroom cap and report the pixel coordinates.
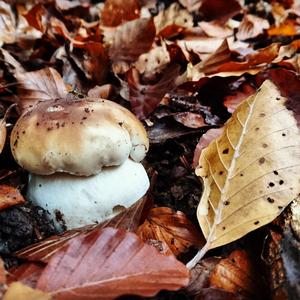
(74, 201)
(77, 137)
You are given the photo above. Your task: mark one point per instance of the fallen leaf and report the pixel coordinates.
(128, 220)
(132, 39)
(250, 172)
(190, 120)
(19, 291)
(288, 28)
(9, 196)
(105, 264)
(251, 26)
(191, 5)
(103, 91)
(220, 10)
(145, 98)
(173, 228)
(172, 21)
(235, 273)
(3, 133)
(7, 24)
(41, 85)
(216, 29)
(35, 18)
(204, 141)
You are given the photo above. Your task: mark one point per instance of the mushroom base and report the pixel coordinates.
(74, 201)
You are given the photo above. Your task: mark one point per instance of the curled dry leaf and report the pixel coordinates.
(250, 171)
(235, 273)
(251, 26)
(19, 291)
(105, 264)
(172, 21)
(172, 227)
(41, 85)
(216, 29)
(103, 91)
(116, 12)
(191, 5)
(9, 196)
(7, 24)
(145, 98)
(128, 220)
(3, 133)
(132, 39)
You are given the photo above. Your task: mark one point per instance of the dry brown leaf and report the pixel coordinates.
(173, 20)
(250, 171)
(41, 85)
(191, 5)
(7, 23)
(235, 273)
(104, 91)
(251, 26)
(108, 263)
(173, 228)
(3, 133)
(116, 12)
(19, 291)
(132, 39)
(10, 196)
(153, 62)
(216, 29)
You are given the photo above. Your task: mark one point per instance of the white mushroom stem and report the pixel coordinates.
(74, 201)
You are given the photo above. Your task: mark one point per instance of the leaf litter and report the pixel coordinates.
(184, 68)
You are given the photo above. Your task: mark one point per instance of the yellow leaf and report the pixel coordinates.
(251, 172)
(19, 291)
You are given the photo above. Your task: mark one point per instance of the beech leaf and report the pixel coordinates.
(132, 39)
(250, 173)
(41, 85)
(108, 263)
(172, 227)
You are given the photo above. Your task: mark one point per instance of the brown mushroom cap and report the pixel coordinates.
(77, 137)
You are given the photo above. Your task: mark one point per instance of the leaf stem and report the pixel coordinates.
(192, 263)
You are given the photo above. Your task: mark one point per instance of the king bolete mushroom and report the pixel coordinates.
(83, 157)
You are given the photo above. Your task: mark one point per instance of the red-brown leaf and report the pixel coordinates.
(41, 85)
(105, 264)
(145, 98)
(116, 12)
(171, 227)
(236, 274)
(132, 39)
(10, 196)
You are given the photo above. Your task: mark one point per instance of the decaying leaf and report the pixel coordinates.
(250, 172)
(19, 291)
(235, 273)
(108, 263)
(7, 23)
(116, 12)
(132, 39)
(41, 85)
(2, 134)
(189, 119)
(145, 98)
(10, 196)
(171, 227)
